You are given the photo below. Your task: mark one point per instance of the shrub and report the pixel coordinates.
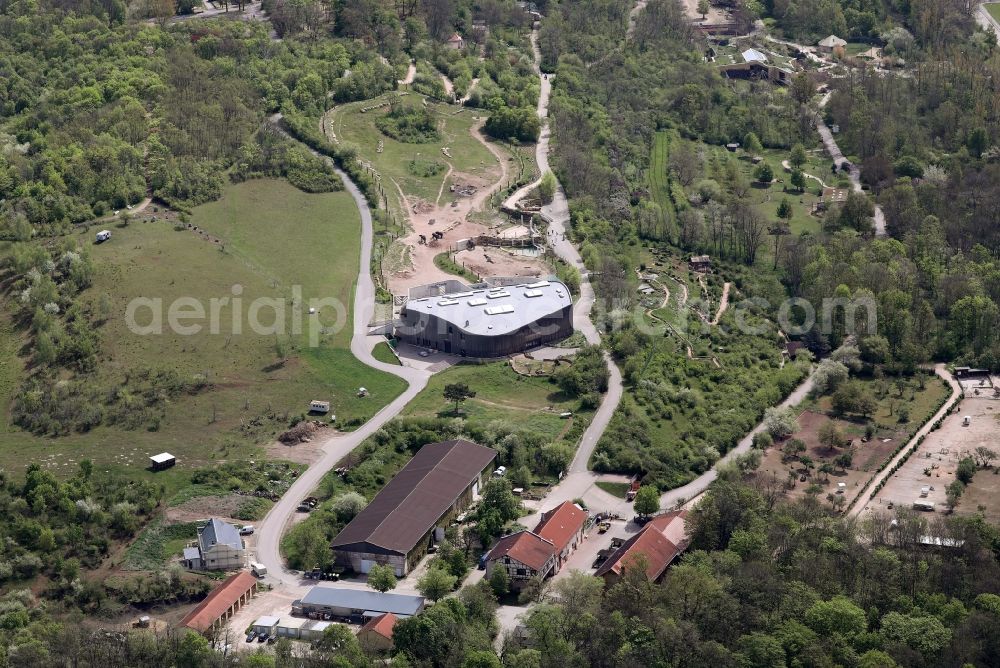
(411, 125)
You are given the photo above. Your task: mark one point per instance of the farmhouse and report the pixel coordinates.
(563, 527)
(397, 526)
(220, 548)
(524, 555)
(542, 552)
(341, 602)
(657, 545)
(700, 263)
(376, 635)
(489, 322)
(222, 603)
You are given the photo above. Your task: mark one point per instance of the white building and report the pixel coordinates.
(220, 548)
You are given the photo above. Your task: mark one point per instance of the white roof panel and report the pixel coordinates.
(517, 310)
(162, 457)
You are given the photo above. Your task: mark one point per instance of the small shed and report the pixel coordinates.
(456, 42)
(314, 629)
(700, 263)
(267, 624)
(164, 460)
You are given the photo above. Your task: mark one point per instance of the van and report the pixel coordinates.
(259, 570)
(103, 236)
(246, 530)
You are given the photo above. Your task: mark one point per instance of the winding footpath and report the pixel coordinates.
(838, 159)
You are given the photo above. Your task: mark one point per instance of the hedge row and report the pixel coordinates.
(912, 448)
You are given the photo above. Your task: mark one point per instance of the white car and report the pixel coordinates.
(500, 472)
(246, 530)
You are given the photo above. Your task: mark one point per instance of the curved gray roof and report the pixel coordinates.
(494, 311)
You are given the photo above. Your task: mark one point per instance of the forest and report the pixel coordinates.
(99, 111)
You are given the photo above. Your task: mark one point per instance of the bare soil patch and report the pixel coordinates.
(300, 453)
(462, 195)
(868, 457)
(934, 462)
(201, 507)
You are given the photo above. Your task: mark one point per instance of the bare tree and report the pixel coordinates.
(748, 227)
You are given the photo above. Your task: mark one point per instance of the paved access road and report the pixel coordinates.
(273, 526)
(838, 159)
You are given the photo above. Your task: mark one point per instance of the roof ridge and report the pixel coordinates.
(452, 443)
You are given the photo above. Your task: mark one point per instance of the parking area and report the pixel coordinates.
(931, 468)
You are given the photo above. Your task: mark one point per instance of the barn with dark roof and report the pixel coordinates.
(398, 525)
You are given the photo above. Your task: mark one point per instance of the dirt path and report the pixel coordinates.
(723, 304)
(838, 159)
(468, 93)
(448, 86)
(787, 166)
(447, 174)
(411, 74)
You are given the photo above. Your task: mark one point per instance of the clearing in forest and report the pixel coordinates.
(271, 236)
(442, 183)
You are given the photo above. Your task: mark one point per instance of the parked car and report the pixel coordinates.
(246, 530)
(482, 561)
(251, 636)
(263, 637)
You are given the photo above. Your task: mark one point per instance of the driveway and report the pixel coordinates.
(271, 528)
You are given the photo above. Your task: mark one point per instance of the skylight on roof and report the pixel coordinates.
(447, 302)
(539, 284)
(532, 293)
(498, 295)
(499, 310)
(478, 301)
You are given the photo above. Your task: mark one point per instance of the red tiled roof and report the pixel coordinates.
(382, 625)
(561, 523)
(218, 601)
(671, 525)
(455, 38)
(648, 543)
(530, 549)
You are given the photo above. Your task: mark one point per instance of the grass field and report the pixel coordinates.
(157, 543)
(274, 237)
(531, 403)
(994, 9)
(769, 197)
(468, 155)
(616, 489)
(659, 182)
(919, 404)
(383, 353)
